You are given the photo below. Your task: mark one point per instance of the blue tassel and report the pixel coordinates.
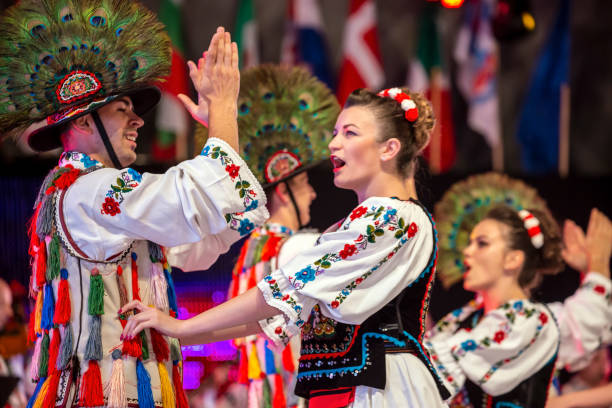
(36, 391)
(171, 293)
(270, 366)
(145, 394)
(65, 349)
(93, 349)
(46, 321)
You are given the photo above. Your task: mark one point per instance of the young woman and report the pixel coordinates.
(501, 349)
(360, 296)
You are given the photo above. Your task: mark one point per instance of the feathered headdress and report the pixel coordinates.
(61, 59)
(464, 205)
(285, 121)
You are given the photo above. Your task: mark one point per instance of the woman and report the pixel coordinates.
(360, 296)
(501, 349)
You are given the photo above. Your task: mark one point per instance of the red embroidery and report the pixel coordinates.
(499, 336)
(348, 250)
(232, 170)
(412, 230)
(599, 289)
(110, 207)
(543, 318)
(358, 212)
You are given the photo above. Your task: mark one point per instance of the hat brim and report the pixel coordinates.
(48, 137)
(294, 173)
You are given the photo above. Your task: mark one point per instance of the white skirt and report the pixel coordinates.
(409, 385)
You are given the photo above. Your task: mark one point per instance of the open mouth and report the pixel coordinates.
(131, 137)
(337, 162)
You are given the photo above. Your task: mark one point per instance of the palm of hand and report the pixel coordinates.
(575, 253)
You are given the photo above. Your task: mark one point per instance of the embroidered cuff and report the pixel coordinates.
(598, 283)
(278, 332)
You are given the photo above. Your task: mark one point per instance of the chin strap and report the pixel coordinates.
(106, 140)
(295, 207)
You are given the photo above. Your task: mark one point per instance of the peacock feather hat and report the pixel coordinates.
(61, 59)
(464, 205)
(285, 121)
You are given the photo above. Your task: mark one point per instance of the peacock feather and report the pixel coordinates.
(464, 205)
(120, 42)
(282, 109)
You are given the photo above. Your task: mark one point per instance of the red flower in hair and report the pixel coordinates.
(348, 251)
(499, 336)
(358, 212)
(110, 207)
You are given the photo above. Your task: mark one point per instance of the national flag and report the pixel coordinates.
(539, 126)
(428, 76)
(172, 120)
(304, 41)
(362, 64)
(476, 54)
(245, 34)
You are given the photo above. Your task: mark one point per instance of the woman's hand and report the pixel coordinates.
(599, 242)
(198, 112)
(149, 317)
(575, 252)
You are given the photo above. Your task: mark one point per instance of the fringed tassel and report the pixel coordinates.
(44, 356)
(160, 346)
(65, 348)
(53, 261)
(123, 296)
(135, 288)
(46, 322)
(145, 394)
(44, 221)
(42, 394)
(91, 393)
(31, 331)
(38, 313)
(270, 364)
(63, 308)
(54, 350)
(181, 398)
(175, 350)
(266, 394)
(254, 367)
(41, 264)
(252, 279)
(171, 292)
(279, 400)
(145, 346)
(243, 367)
(95, 301)
(34, 396)
(51, 392)
(93, 349)
(130, 347)
(160, 287)
(116, 384)
(168, 400)
(155, 252)
(35, 367)
(288, 363)
(255, 390)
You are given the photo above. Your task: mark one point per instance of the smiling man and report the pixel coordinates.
(103, 233)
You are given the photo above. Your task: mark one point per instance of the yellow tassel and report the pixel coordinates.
(168, 400)
(40, 398)
(254, 368)
(38, 312)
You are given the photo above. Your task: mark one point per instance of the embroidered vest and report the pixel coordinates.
(335, 354)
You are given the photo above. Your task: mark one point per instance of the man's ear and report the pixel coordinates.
(84, 124)
(281, 192)
(514, 260)
(390, 148)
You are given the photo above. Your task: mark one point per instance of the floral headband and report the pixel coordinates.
(532, 225)
(407, 104)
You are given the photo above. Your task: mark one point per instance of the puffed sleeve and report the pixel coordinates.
(507, 346)
(214, 193)
(383, 246)
(585, 321)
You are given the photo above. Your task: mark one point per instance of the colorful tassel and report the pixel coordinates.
(54, 350)
(135, 288)
(65, 348)
(95, 301)
(160, 346)
(254, 367)
(155, 252)
(123, 296)
(159, 286)
(34, 396)
(44, 356)
(63, 308)
(288, 363)
(181, 398)
(91, 393)
(279, 400)
(116, 384)
(175, 350)
(145, 394)
(38, 313)
(42, 394)
(93, 349)
(31, 331)
(171, 292)
(51, 392)
(44, 221)
(270, 364)
(53, 261)
(243, 366)
(145, 346)
(46, 322)
(168, 400)
(41, 264)
(266, 395)
(35, 367)
(130, 347)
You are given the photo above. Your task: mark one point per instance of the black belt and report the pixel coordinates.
(392, 348)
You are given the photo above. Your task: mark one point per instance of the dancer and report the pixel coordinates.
(360, 296)
(78, 74)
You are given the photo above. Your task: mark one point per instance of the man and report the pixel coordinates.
(99, 232)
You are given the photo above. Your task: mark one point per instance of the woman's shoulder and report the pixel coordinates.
(408, 208)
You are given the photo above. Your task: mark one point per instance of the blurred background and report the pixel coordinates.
(518, 86)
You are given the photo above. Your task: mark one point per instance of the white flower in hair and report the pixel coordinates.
(393, 92)
(408, 104)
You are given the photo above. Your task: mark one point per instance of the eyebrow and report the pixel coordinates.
(350, 124)
(124, 100)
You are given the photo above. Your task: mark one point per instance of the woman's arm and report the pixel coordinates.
(592, 398)
(220, 335)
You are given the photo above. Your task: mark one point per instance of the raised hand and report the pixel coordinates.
(575, 252)
(599, 242)
(149, 317)
(198, 112)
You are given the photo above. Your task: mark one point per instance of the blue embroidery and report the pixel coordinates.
(136, 176)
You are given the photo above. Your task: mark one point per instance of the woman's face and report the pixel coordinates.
(484, 257)
(355, 150)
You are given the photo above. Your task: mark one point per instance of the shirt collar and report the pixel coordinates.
(78, 160)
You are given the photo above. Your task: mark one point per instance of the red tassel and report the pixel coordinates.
(41, 265)
(51, 395)
(160, 346)
(63, 307)
(92, 394)
(243, 367)
(31, 331)
(54, 351)
(278, 401)
(181, 398)
(131, 347)
(288, 363)
(135, 289)
(252, 282)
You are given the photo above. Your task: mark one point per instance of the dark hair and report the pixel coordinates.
(545, 260)
(414, 136)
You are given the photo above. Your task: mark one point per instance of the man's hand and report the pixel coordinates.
(198, 112)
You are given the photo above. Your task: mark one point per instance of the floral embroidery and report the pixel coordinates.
(441, 368)
(348, 251)
(318, 325)
(136, 176)
(306, 275)
(232, 170)
(469, 345)
(358, 212)
(88, 162)
(127, 181)
(110, 207)
(276, 292)
(599, 289)
(499, 336)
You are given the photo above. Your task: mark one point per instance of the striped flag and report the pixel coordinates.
(245, 35)
(362, 64)
(172, 121)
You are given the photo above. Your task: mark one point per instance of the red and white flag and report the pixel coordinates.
(362, 64)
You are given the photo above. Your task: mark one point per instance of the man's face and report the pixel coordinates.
(121, 125)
